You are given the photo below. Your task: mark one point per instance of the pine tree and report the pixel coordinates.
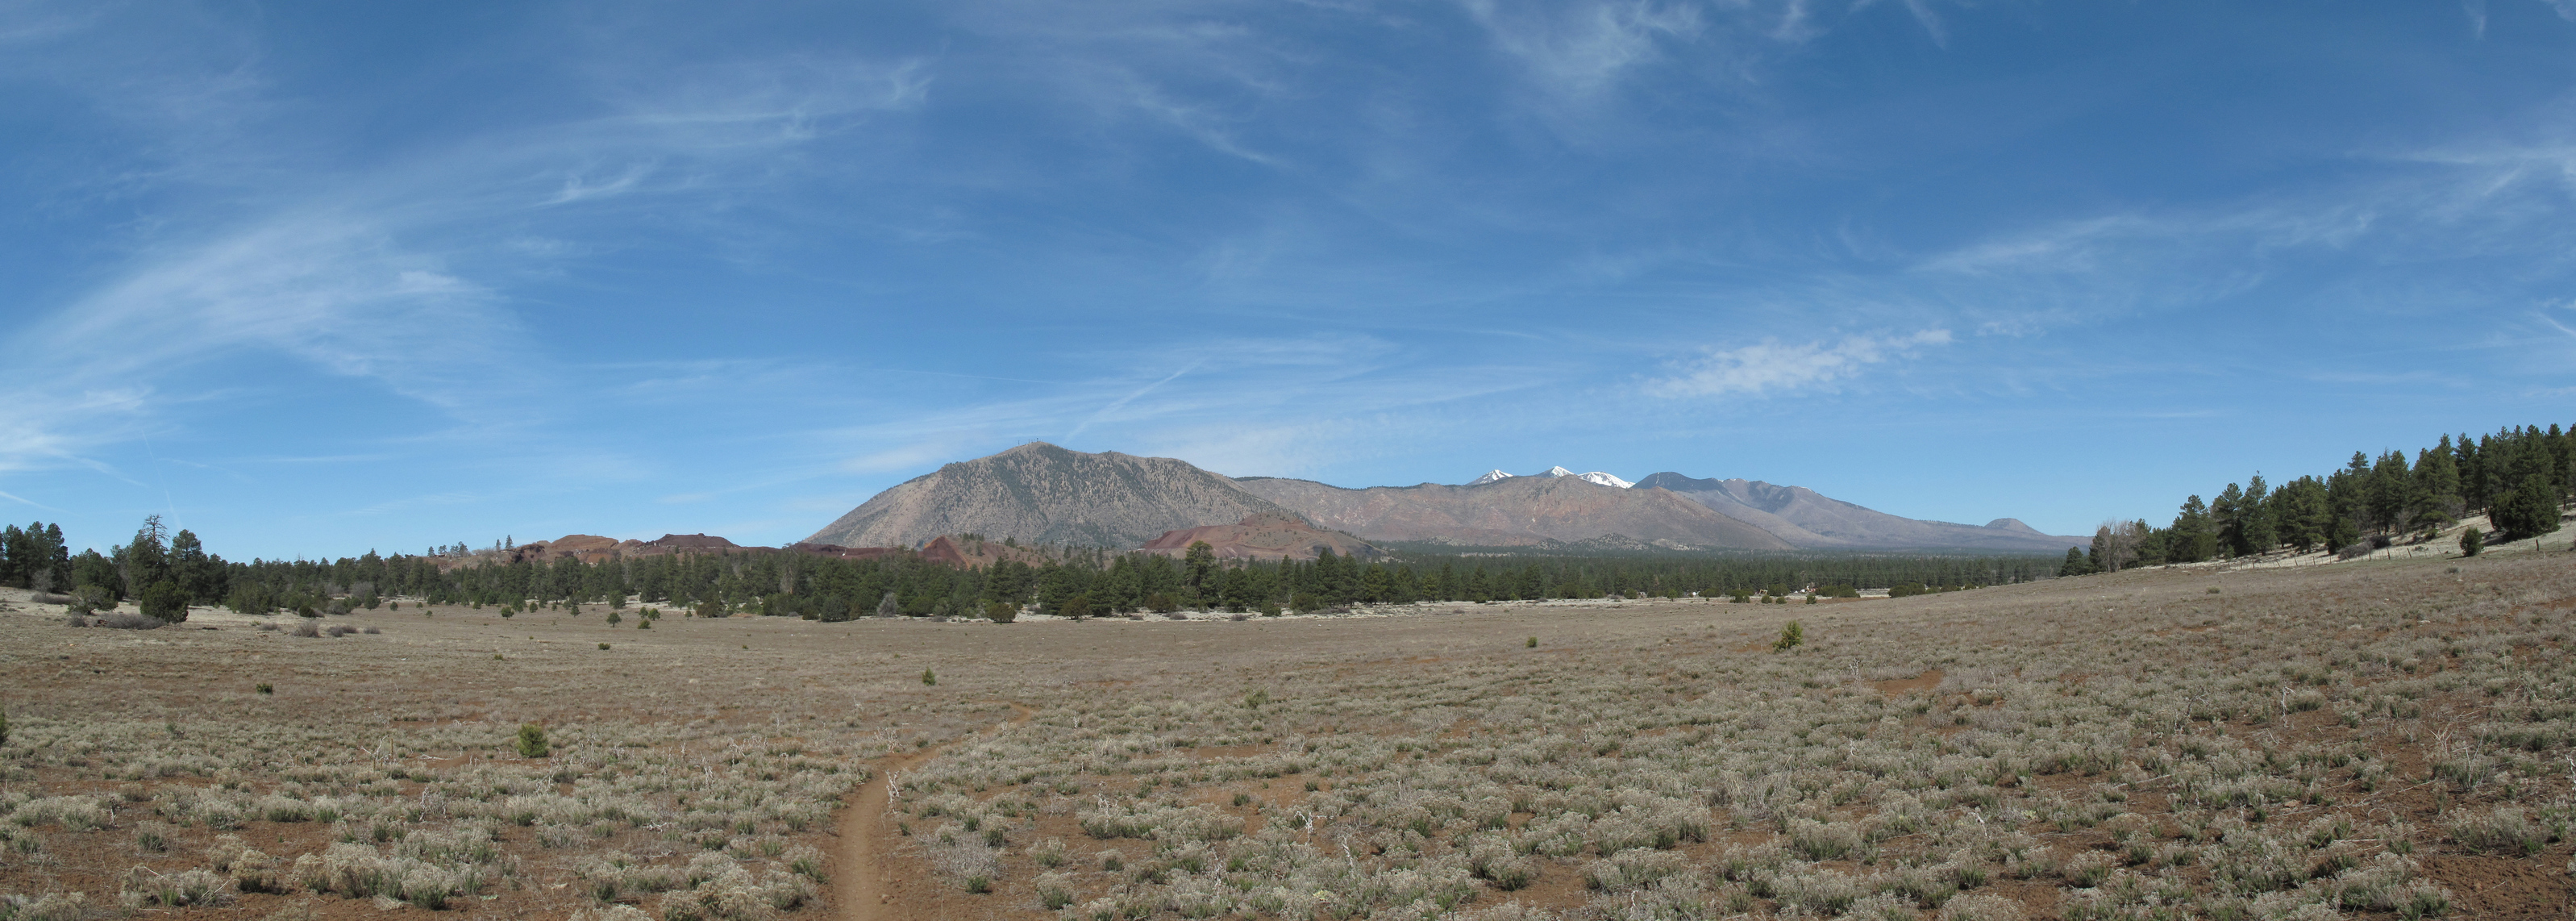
(2528, 510)
(2193, 539)
(2299, 510)
(1198, 562)
(2347, 498)
(200, 575)
(145, 561)
(2437, 482)
(2392, 492)
(14, 549)
(2473, 477)
(93, 569)
(2227, 517)
(2259, 527)
(2562, 448)
(2152, 542)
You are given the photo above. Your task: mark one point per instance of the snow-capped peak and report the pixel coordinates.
(1595, 477)
(1489, 477)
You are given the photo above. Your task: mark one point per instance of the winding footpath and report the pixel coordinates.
(863, 884)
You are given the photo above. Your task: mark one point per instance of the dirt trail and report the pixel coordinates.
(862, 884)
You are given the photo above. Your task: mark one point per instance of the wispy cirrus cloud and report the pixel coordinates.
(1579, 51)
(383, 270)
(1771, 367)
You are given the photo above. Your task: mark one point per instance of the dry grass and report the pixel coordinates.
(2363, 740)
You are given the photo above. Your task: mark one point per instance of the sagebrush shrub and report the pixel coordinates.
(2507, 829)
(142, 887)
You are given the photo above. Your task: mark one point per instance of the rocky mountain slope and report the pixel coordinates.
(1810, 520)
(1515, 511)
(1262, 537)
(1043, 494)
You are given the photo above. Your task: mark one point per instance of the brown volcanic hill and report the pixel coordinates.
(1043, 494)
(592, 548)
(1261, 537)
(846, 553)
(1515, 512)
(691, 543)
(1812, 520)
(962, 552)
(971, 552)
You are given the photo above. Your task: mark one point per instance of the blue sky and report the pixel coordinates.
(315, 278)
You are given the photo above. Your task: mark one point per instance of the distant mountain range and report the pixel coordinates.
(1044, 494)
(1810, 520)
(1515, 512)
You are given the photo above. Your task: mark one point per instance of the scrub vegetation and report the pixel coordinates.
(2376, 739)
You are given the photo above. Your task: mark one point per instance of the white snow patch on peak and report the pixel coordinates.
(1490, 476)
(1595, 477)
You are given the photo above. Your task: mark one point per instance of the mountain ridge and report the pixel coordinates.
(1041, 493)
(1816, 521)
(1512, 512)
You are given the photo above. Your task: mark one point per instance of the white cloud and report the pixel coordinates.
(1930, 21)
(331, 290)
(386, 272)
(1581, 51)
(1770, 366)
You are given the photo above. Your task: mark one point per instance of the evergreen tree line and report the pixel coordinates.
(2517, 477)
(163, 573)
(1083, 582)
(167, 572)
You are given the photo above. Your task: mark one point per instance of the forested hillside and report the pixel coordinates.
(2518, 478)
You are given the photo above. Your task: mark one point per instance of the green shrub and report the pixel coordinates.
(928, 678)
(1791, 637)
(91, 599)
(164, 601)
(2472, 541)
(531, 741)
